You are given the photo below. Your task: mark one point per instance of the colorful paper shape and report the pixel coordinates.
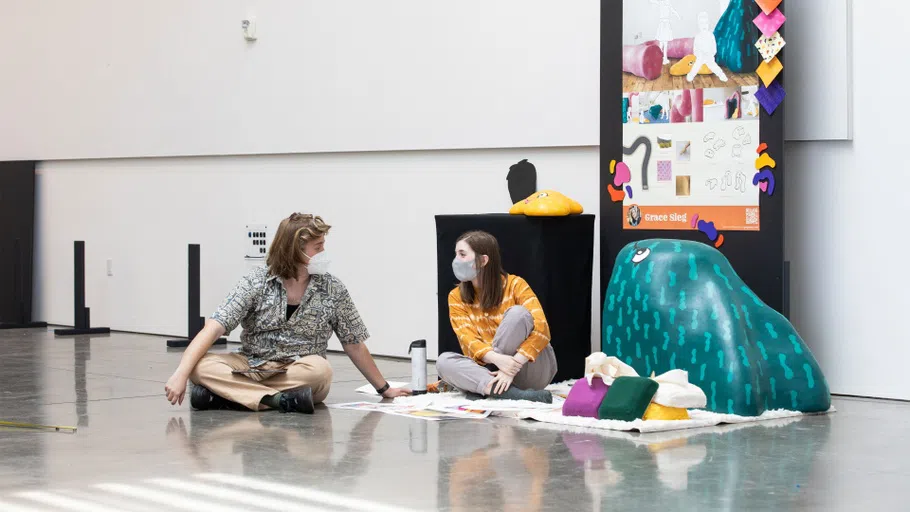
(765, 176)
(623, 175)
(629, 191)
(770, 23)
(708, 229)
(761, 147)
(768, 71)
(546, 203)
(770, 46)
(720, 241)
(770, 97)
(612, 166)
(768, 6)
(616, 195)
(763, 161)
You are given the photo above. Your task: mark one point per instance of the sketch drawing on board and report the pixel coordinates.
(705, 49)
(741, 182)
(664, 28)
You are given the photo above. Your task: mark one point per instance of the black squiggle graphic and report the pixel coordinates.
(644, 166)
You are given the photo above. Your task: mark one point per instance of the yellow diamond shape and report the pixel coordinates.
(768, 71)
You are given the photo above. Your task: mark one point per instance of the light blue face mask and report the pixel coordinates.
(464, 270)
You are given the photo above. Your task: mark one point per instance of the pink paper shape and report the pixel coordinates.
(763, 185)
(622, 175)
(769, 23)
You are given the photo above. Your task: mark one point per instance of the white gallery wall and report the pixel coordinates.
(115, 78)
(845, 202)
(142, 213)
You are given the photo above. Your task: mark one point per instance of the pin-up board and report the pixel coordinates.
(692, 131)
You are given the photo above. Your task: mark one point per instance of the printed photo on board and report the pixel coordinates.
(689, 44)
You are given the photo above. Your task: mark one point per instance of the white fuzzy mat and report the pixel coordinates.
(552, 413)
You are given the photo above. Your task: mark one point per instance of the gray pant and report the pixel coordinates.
(517, 323)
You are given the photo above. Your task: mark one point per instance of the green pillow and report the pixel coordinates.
(627, 399)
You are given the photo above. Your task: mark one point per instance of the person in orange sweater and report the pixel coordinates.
(500, 325)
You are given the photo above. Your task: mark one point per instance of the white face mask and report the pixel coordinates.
(318, 265)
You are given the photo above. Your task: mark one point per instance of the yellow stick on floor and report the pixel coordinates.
(35, 426)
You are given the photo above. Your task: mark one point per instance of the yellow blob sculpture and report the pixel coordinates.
(685, 64)
(546, 203)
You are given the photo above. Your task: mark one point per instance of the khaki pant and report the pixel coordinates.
(214, 371)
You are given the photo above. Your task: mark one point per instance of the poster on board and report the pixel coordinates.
(690, 116)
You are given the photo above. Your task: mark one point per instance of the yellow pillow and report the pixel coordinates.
(660, 412)
(546, 203)
(685, 64)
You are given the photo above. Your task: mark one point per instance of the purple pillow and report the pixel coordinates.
(584, 399)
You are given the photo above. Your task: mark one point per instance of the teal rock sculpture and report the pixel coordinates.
(675, 304)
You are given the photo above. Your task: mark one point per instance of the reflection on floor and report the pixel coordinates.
(134, 451)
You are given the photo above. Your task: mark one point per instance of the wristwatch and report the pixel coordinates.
(383, 389)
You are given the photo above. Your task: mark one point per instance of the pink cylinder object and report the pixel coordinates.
(698, 102)
(679, 48)
(644, 60)
(682, 107)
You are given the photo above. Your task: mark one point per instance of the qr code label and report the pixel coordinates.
(751, 216)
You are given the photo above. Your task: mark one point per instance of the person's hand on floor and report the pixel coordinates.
(175, 389)
(396, 392)
(501, 383)
(505, 364)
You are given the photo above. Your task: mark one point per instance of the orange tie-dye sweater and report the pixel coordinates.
(475, 328)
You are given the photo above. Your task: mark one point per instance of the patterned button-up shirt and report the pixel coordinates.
(259, 304)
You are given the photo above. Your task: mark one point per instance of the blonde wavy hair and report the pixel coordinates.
(286, 252)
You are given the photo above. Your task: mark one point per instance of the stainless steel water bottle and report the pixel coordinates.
(418, 351)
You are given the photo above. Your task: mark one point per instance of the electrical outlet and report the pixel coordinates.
(256, 241)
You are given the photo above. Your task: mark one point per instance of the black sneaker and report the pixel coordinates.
(202, 399)
(297, 400)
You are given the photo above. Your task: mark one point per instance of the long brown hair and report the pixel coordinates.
(490, 276)
(286, 251)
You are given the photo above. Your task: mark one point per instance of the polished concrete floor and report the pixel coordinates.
(134, 451)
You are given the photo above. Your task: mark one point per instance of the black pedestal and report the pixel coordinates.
(17, 209)
(81, 314)
(194, 322)
(555, 255)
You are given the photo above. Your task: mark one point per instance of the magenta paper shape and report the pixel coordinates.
(769, 23)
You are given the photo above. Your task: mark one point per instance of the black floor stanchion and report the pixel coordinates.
(81, 315)
(23, 319)
(194, 321)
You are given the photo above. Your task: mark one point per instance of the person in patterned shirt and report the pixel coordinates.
(288, 310)
(500, 325)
